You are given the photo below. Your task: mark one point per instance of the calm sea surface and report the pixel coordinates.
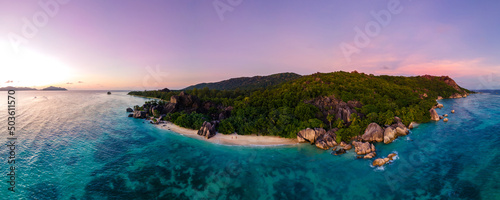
(82, 145)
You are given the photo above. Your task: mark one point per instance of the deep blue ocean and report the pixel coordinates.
(82, 145)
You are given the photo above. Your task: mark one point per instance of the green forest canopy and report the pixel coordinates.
(246, 83)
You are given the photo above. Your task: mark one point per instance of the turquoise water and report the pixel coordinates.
(82, 145)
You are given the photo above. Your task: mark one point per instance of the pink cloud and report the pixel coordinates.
(455, 68)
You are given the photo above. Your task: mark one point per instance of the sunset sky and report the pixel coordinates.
(136, 45)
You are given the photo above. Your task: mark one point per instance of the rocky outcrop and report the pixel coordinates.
(389, 135)
(207, 130)
(363, 147)
(339, 109)
(383, 161)
(456, 96)
(327, 140)
(445, 120)
(130, 110)
(186, 102)
(439, 98)
(370, 155)
(339, 152)
(140, 114)
(319, 137)
(401, 129)
(397, 120)
(452, 111)
(323, 144)
(314, 135)
(308, 135)
(434, 115)
(440, 105)
(378, 162)
(130, 115)
(412, 125)
(155, 110)
(169, 108)
(391, 156)
(394, 131)
(373, 133)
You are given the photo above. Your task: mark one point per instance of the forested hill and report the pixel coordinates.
(342, 100)
(246, 83)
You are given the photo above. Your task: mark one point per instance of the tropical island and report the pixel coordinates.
(16, 88)
(54, 88)
(28, 88)
(330, 110)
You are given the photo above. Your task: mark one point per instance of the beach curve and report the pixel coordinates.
(231, 139)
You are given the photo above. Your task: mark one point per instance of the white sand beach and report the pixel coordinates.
(232, 139)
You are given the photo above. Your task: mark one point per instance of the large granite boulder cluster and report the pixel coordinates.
(373, 133)
(395, 130)
(186, 102)
(327, 141)
(207, 130)
(457, 95)
(362, 148)
(339, 109)
(140, 114)
(383, 161)
(310, 135)
(363, 145)
(434, 114)
(319, 137)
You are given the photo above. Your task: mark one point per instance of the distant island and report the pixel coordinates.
(16, 88)
(54, 88)
(330, 110)
(27, 88)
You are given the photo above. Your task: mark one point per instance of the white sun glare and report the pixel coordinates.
(29, 68)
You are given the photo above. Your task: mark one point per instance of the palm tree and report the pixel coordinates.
(330, 118)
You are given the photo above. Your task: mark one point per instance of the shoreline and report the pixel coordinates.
(248, 140)
(146, 97)
(232, 139)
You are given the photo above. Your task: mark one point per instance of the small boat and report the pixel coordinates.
(109, 92)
